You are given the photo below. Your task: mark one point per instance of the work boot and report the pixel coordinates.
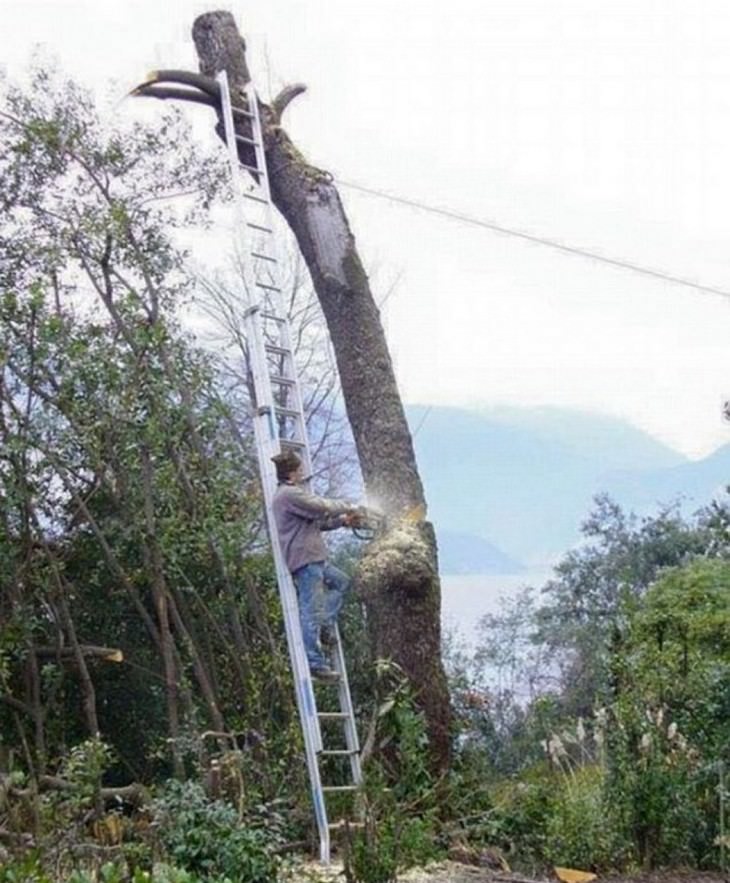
(327, 637)
(325, 673)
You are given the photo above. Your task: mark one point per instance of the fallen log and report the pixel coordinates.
(135, 794)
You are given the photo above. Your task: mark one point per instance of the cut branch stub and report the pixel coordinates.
(284, 99)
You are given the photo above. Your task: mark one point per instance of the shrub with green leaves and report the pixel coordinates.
(670, 722)
(399, 802)
(25, 869)
(581, 831)
(208, 839)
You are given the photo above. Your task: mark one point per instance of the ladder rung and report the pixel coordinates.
(340, 788)
(287, 412)
(273, 317)
(263, 257)
(259, 227)
(246, 140)
(255, 198)
(292, 443)
(333, 715)
(267, 287)
(282, 381)
(255, 169)
(244, 113)
(279, 350)
(344, 752)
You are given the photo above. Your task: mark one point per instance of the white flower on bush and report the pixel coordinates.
(556, 748)
(671, 731)
(645, 743)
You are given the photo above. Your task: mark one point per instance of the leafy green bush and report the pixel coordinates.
(110, 872)
(208, 839)
(26, 869)
(663, 797)
(518, 823)
(389, 840)
(669, 727)
(581, 831)
(399, 802)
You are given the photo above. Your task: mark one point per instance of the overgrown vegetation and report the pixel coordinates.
(141, 634)
(608, 740)
(147, 725)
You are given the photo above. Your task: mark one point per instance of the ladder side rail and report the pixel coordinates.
(264, 260)
(304, 689)
(258, 138)
(297, 397)
(345, 698)
(267, 446)
(277, 298)
(305, 700)
(351, 737)
(296, 403)
(285, 581)
(240, 237)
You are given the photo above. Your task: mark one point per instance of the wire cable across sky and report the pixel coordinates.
(539, 240)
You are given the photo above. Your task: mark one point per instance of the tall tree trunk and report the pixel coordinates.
(402, 589)
(398, 577)
(153, 563)
(202, 674)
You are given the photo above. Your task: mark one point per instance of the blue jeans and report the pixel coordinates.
(321, 590)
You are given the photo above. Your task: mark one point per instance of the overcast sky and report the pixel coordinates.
(604, 124)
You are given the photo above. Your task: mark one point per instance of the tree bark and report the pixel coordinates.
(398, 577)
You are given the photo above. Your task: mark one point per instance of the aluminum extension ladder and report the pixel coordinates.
(279, 424)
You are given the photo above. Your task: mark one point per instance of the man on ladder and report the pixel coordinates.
(321, 587)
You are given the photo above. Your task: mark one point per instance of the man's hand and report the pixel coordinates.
(352, 518)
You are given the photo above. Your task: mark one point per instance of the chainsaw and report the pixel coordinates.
(368, 523)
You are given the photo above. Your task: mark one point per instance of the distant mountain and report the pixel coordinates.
(693, 484)
(461, 553)
(523, 480)
(613, 443)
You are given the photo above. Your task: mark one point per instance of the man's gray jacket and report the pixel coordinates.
(300, 518)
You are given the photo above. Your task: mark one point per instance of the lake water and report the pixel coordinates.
(466, 598)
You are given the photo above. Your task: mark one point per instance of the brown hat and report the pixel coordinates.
(286, 462)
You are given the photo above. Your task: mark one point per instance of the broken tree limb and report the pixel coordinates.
(109, 654)
(170, 92)
(198, 88)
